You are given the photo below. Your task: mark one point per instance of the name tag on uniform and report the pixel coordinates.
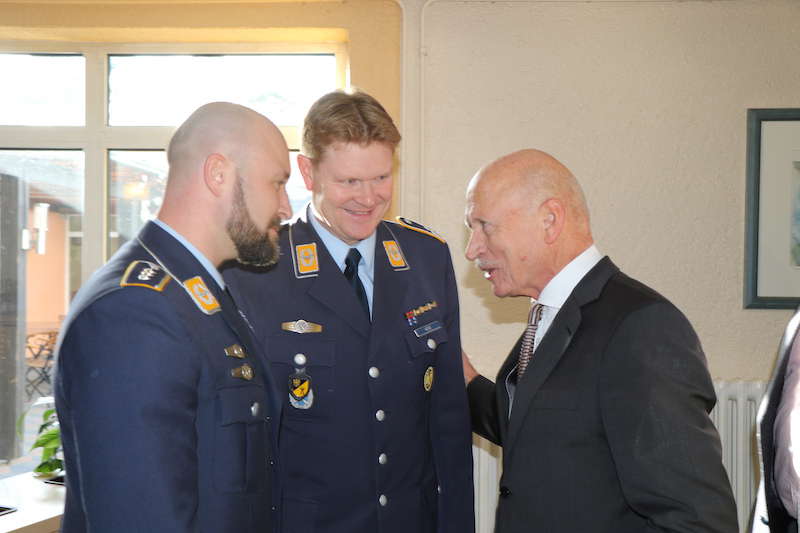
(428, 328)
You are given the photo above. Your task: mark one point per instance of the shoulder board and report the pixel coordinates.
(416, 226)
(145, 274)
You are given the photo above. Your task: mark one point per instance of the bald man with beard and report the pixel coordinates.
(602, 406)
(168, 415)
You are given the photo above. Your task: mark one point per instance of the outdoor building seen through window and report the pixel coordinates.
(80, 175)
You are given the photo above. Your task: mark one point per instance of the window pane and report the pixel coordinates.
(136, 180)
(41, 196)
(162, 90)
(42, 90)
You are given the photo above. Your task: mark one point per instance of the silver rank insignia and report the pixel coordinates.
(301, 395)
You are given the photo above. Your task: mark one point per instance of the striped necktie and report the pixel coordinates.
(526, 350)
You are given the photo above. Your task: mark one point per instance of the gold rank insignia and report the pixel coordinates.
(234, 350)
(416, 226)
(427, 380)
(301, 326)
(199, 292)
(394, 254)
(244, 372)
(145, 274)
(306, 256)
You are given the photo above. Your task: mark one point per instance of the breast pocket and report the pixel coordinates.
(241, 442)
(304, 373)
(425, 340)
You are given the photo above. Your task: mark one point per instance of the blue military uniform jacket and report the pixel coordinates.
(168, 414)
(375, 435)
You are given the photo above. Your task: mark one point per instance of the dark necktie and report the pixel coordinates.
(526, 350)
(351, 273)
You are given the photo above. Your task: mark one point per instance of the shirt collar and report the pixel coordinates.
(211, 269)
(558, 289)
(338, 248)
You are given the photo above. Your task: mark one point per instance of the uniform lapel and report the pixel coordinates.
(389, 291)
(553, 346)
(329, 287)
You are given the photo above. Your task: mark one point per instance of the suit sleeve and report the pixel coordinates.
(655, 395)
(483, 409)
(450, 428)
(128, 379)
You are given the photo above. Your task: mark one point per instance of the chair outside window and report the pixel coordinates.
(39, 350)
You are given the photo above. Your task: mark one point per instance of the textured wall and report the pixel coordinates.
(646, 103)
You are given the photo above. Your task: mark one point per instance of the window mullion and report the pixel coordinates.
(94, 219)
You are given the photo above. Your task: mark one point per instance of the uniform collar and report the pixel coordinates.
(558, 289)
(338, 249)
(202, 259)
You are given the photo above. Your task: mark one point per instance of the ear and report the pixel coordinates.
(553, 218)
(214, 173)
(306, 166)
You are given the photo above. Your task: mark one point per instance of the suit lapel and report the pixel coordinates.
(329, 287)
(553, 345)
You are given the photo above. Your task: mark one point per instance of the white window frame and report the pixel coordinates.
(96, 137)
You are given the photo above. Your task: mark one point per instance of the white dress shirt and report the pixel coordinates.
(787, 432)
(552, 297)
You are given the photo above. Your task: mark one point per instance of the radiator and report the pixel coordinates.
(734, 416)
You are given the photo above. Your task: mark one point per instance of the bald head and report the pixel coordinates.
(528, 218)
(228, 129)
(530, 177)
(226, 194)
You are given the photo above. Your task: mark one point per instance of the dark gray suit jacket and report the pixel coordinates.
(770, 514)
(609, 431)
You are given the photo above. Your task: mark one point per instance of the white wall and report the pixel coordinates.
(645, 102)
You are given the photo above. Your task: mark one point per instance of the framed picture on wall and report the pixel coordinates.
(772, 203)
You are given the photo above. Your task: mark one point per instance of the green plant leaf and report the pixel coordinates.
(49, 467)
(49, 439)
(48, 414)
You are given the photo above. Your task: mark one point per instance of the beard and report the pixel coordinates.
(253, 247)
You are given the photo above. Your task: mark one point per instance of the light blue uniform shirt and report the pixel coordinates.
(212, 270)
(338, 250)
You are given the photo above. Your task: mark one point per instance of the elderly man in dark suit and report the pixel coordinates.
(602, 406)
(778, 424)
(168, 414)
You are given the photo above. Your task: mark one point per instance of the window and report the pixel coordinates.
(82, 167)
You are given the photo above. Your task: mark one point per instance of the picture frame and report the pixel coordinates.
(772, 209)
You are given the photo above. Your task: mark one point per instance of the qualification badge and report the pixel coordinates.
(427, 380)
(301, 396)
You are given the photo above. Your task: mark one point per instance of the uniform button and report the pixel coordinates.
(431, 344)
(255, 408)
(382, 459)
(380, 415)
(383, 500)
(374, 372)
(272, 463)
(438, 489)
(274, 508)
(300, 359)
(505, 492)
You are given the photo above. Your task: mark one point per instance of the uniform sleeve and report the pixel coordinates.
(450, 426)
(655, 395)
(127, 402)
